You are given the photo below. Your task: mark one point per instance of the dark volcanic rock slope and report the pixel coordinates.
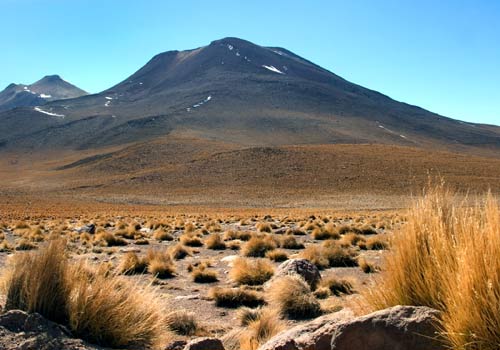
(236, 91)
(49, 88)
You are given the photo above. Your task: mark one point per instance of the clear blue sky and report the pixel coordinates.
(441, 55)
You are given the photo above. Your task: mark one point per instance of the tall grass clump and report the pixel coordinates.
(447, 257)
(93, 303)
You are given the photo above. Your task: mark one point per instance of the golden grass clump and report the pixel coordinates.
(251, 271)
(24, 244)
(241, 235)
(337, 286)
(161, 235)
(366, 266)
(95, 305)
(258, 246)
(290, 242)
(182, 322)
(201, 274)
(179, 251)
(258, 331)
(277, 255)
(160, 264)
(110, 311)
(110, 239)
(191, 240)
(131, 264)
(263, 227)
(236, 297)
(314, 254)
(447, 257)
(37, 282)
(215, 242)
(293, 298)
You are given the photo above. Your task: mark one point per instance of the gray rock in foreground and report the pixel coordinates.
(396, 328)
(20, 330)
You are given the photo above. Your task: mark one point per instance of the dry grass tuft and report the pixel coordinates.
(201, 274)
(446, 257)
(250, 271)
(366, 266)
(132, 264)
(236, 297)
(337, 286)
(160, 264)
(293, 298)
(261, 330)
(258, 246)
(215, 242)
(161, 235)
(290, 242)
(278, 255)
(96, 305)
(179, 251)
(191, 240)
(182, 322)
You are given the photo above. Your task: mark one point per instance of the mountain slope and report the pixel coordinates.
(235, 91)
(49, 88)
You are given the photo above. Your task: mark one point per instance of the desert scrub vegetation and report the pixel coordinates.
(266, 325)
(293, 298)
(257, 246)
(131, 264)
(236, 297)
(251, 271)
(277, 255)
(215, 242)
(97, 306)
(447, 257)
(337, 286)
(182, 322)
(201, 274)
(160, 264)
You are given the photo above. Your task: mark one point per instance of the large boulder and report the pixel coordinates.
(204, 343)
(302, 267)
(396, 328)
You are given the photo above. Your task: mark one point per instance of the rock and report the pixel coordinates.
(302, 267)
(87, 228)
(204, 343)
(400, 327)
(22, 331)
(396, 328)
(316, 334)
(176, 345)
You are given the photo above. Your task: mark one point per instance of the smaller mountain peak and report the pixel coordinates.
(231, 41)
(11, 86)
(54, 77)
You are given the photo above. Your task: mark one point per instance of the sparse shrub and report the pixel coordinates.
(236, 297)
(182, 322)
(327, 232)
(258, 246)
(247, 315)
(132, 264)
(251, 272)
(191, 240)
(110, 240)
(295, 232)
(202, 275)
(289, 242)
(241, 235)
(337, 286)
(24, 244)
(161, 235)
(160, 264)
(366, 267)
(322, 293)
(351, 239)
(261, 330)
(446, 257)
(376, 243)
(179, 251)
(293, 298)
(338, 256)
(264, 227)
(277, 255)
(95, 305)
(315, 255)
(215, 242)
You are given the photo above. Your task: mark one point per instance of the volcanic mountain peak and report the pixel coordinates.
(49, 88)
(235, 91)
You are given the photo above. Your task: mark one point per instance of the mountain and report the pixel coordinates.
(235, 122)
(49, 88)
(236, 91)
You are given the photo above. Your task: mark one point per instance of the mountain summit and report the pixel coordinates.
(235, 91)
(49, 88)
